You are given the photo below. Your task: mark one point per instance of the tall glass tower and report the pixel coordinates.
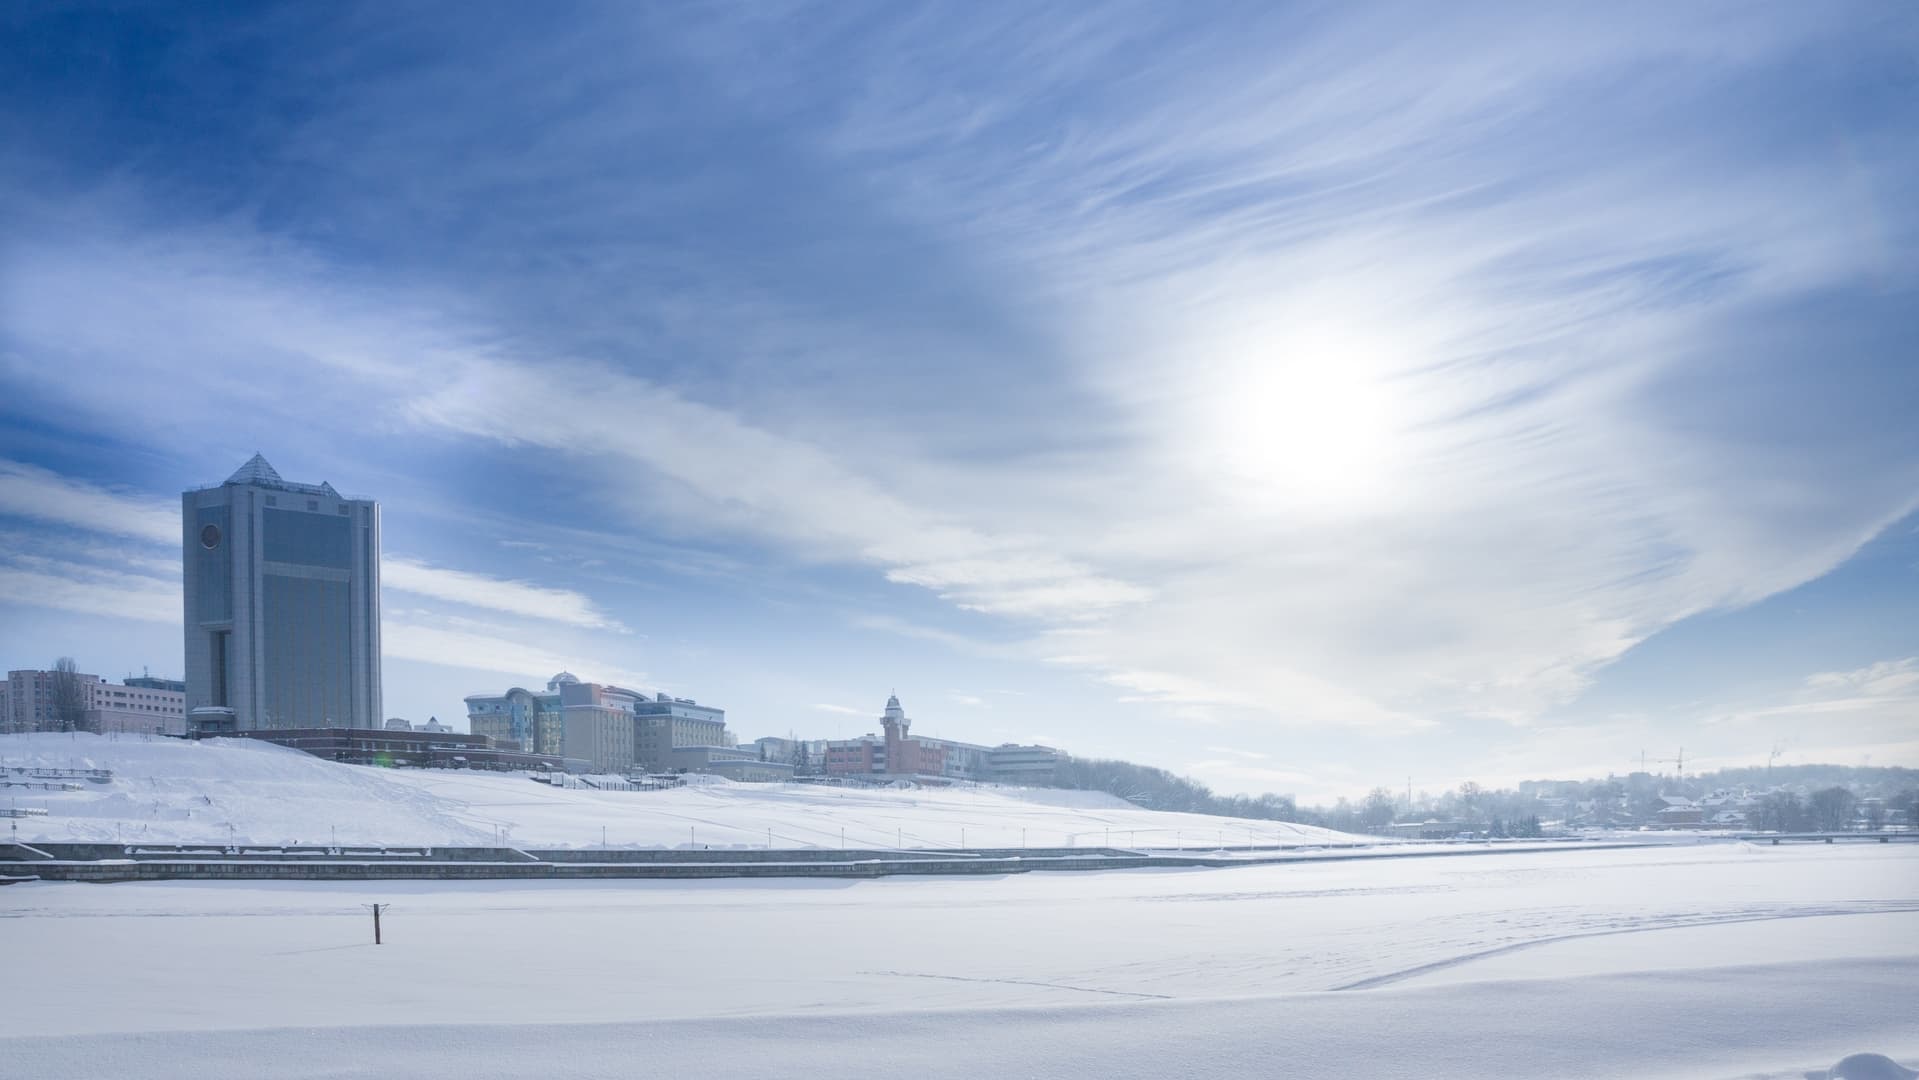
(282, 604)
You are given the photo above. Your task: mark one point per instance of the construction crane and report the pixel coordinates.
(1679, 762)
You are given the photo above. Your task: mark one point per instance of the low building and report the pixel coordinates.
(1434, 829)
(140, 705)
(732, 762)
(403, 749)
(864, 756)
(1679, 817)
(807, 752)
(1034, 766)
(900, 755)
(752, 770)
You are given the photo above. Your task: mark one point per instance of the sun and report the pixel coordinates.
(1305, 422)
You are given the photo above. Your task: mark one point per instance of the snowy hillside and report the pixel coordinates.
(168, 790)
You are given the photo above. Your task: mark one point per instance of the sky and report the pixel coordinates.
(1300, 397)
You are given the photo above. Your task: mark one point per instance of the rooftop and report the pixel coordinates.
(258, 472)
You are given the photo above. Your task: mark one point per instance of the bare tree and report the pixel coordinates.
(69, 700)
(1377, 815)
(1832, 808)
(1469, 796)
(1876, 816)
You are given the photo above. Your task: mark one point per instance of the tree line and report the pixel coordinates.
(1832, 804)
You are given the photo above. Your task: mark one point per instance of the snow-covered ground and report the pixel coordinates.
(169, 790)
(1718, 960)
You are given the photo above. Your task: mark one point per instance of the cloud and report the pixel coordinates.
(1882, 681)
(1868, 704)
(505, 654)
(843, 710)
(1348, 372)
(90, 590)
(30, 492)
(497, 594)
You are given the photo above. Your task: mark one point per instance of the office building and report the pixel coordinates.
(663, 724)
(282, 605)
(522, 719)
(609, 729)
(589, 724)
(596, 725)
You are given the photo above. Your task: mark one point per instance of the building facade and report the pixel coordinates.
(663, 724)
(282, 604)
(608, 729)
(732, 762)
(523, 719)
(1034, 766)
(33, 703)
(142, 704)
(596, 725)
(898, 754)
(805, 754)
(397, 748)
(864, 756)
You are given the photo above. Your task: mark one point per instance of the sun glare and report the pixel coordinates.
(1306, 424)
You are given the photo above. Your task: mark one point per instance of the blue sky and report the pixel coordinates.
(1299, 397)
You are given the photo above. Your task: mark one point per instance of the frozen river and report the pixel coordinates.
(1369, 947)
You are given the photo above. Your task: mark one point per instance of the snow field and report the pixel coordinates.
(1695, 961)
(173, 791)
(1772, 1022)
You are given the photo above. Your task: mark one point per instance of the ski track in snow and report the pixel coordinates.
(1637, 927)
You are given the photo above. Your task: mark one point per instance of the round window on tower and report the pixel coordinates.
(210, 537)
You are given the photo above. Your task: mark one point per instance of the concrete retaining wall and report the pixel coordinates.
(113, 862)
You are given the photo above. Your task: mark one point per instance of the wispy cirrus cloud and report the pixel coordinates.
(506, 651)
(1352, 370)
(89, 590)
(37, 494)
(496, 594)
